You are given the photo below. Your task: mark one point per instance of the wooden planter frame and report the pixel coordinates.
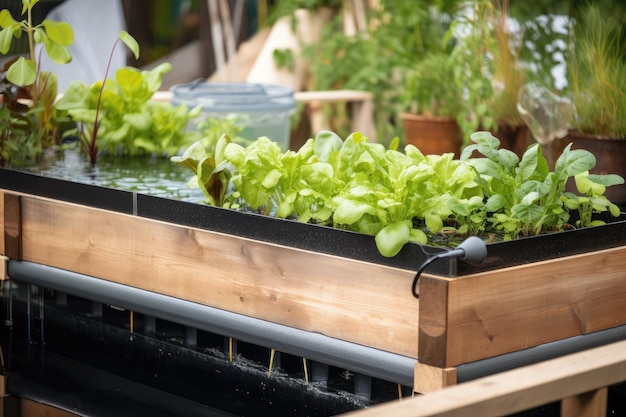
(479, 314)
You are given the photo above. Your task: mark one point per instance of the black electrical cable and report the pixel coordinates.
(421, 269)
(472, 249)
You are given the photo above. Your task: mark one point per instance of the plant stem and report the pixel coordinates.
(30, 31)
(93, 148)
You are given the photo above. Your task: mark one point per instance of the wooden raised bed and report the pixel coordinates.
(528, 292)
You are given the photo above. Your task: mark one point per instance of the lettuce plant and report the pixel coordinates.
(349, 184)
(524, 197)
(212, 172)
(592, 199)
(129, 122)
(400, 197)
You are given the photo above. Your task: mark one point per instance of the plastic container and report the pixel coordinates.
(259, 109)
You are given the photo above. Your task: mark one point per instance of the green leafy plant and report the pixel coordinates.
(524, 197)
(128, 121)
(486, 58)
(349, 184)
(211, 129)
(38, 86)
(597, 67)
(15, 127)
(399, 34)
(16, 144)
(55, 36)
(400, 197)
(430, 88)
(474, 69)
(592, 200)
(508, 72)
(77, 97)
(212, 173)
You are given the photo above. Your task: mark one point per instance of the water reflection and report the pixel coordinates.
(148, 175)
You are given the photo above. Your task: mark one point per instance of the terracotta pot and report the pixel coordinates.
(432, 135)
(610, 156)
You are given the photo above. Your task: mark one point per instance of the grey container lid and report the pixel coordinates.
(234, 97)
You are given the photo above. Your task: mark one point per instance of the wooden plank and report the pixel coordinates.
(351, 300)
(430, 378)
(333, 96)
(588, 404)
(515, 308)
(12, 226)
(517, 390)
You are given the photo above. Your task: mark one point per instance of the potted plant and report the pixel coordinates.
(597, 81)
(398, 35)
(486, 56)
(432, 100)
(508, 78)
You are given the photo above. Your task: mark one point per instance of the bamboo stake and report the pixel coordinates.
(272, 353)
(306, 372)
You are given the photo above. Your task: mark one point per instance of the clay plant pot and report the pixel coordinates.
(610, 156)
(432, 135)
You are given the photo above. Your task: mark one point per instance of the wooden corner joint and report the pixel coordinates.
(427, 378)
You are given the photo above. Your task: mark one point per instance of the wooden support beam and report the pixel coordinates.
(428, 378)
(587, 404)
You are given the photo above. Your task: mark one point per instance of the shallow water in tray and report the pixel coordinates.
(146, 175)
